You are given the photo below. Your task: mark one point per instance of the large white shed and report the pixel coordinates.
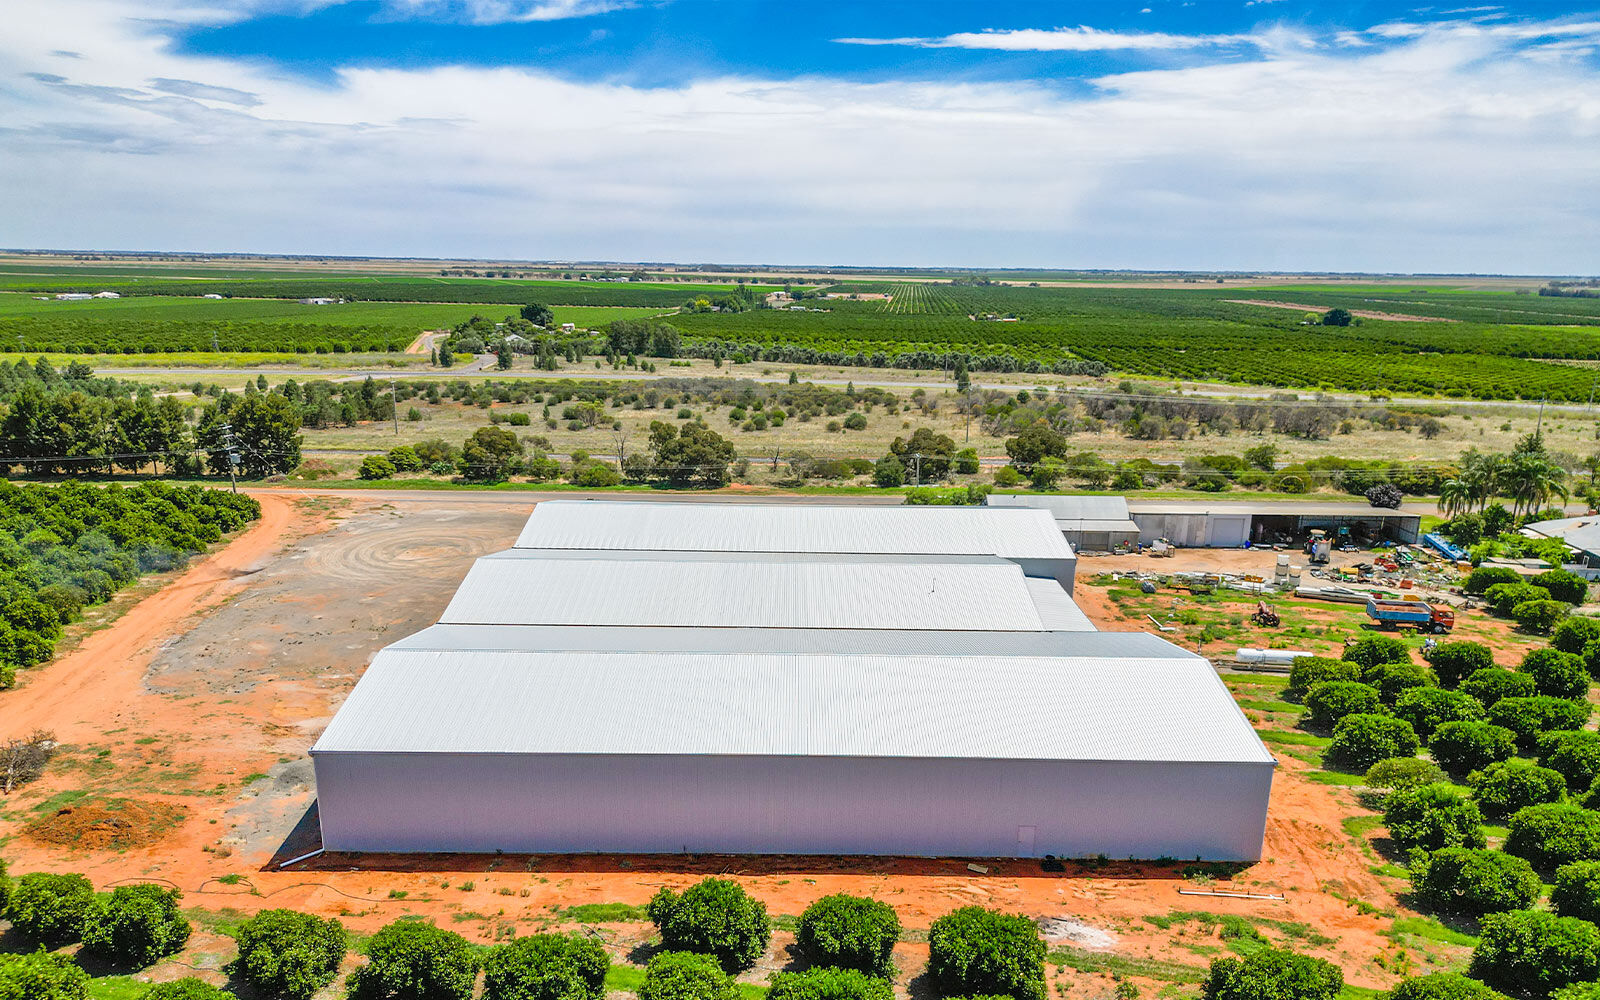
(531, 739)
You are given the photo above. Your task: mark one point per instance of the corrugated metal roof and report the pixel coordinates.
(1287, 508)
(611, 588)
(665, 639)
(589, 703)
(709, 527)
(1066, 508)
(1581, 533)
(1058, 611)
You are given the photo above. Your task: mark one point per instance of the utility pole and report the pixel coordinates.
(1538, 426)
(233, 455)
(916, 465)
(394, 394)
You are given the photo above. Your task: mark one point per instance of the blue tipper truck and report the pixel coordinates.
(1410, 614)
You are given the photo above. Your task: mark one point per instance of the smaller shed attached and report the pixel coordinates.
(1089, 524)
(1231, 523)
(1582, 537)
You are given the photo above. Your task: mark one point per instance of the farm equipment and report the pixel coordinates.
(1319, 547)
(1161, 548)
(1266, 616)
(1410, 614)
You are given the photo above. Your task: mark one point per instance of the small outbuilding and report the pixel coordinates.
(1088, 523)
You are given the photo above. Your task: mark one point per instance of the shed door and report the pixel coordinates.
(1025, 837)
(1228, 532)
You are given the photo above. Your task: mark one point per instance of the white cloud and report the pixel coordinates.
(505, 11)
(1449, 149)
(1079, 39)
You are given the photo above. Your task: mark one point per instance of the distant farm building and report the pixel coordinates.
(73, 296)
(749, 678)
(107, 295)
(1089, 524)
(319, 301)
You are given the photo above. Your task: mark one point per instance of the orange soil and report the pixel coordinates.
(103, 694)
(109, 824)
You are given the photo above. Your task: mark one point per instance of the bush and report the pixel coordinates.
(1460, 747)
(375, 467)
(187, 988)
(404, 459)
(1576, 892)
(1403, 772)
(1491, 684)
(1007, 476)
(41, 976)
(595, 474)
(1510, 785)
(1533, 952)
(1539, 616)
(682, 975)
(5, 887)
(409, 960)
(1484, 577)
(1466, 880)
(1553, 835)
(287, 954)
(1433, 817)
(977, 951)
(1394, 679)
(829, 984)
(1529, 717)
(1329, 702)
(1453, 661)
(1428, 708)
(1574, 755)
(1504, 597)
(1564, 586)
(1309, 671)
(1372, 650)
(1558, 674)
(138, 926)
(889, 472)
(1443, 986)
(713, 917)
(1360, 741)
(50, 909)
(1575, 633)
(1271, 974)
(546, 967)
(849, 932)
(1385, 495)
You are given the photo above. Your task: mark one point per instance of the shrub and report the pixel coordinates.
(1575, 633)
(973, 950)
(1467, 880)
(187, 988)
(1534, 952)
(1442, 986)
(1491, 684)
(849, 932)
(1360, 741)
(1573, 756)
(1504, 597)
(1385, 495)
(1558, 674)
(138, 926)
(375, 467)
(1428, 708)
(1510, 785)
(1006, 476)
(1309, 671)
(1460, 747)
(1453, 661)
(546, 967)
(1528, 717)
(1433, 817)
(41, 976)
(682, 975)
(1272, 974)
(1553, 835)
(829, 984)
(713, 917)
(1539, 616)
(1578, 991)
(1576, 892)
(595, 474)
(1484, 577)
(1564, 586)
(889, 472)
(1394, 679)
(1403, 772)
(404, 459)
(1329, 702)
(287, 954)
(409, 960)
(1372, 650)
(50, 909)
(5, 887)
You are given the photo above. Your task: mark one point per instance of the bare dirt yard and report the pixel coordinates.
(186, 722)
(1363, 313)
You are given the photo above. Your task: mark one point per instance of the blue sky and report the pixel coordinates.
(1205, 135)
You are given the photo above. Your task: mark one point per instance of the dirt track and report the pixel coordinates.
(207, 695)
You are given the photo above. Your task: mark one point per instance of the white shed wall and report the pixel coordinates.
(542, 804)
